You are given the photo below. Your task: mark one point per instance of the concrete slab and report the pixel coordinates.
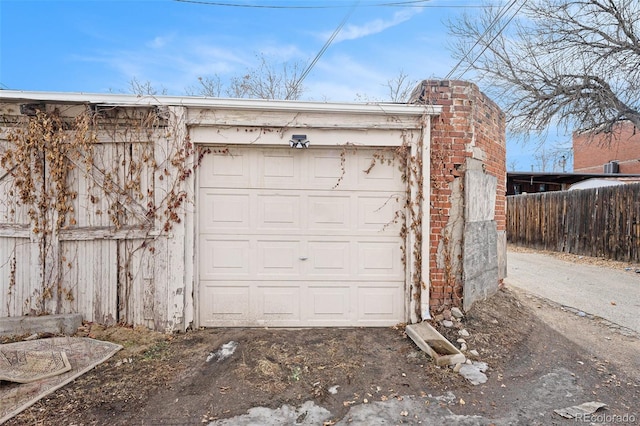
(480, 263)
(55, 324)
(434, 344)
(601, 291)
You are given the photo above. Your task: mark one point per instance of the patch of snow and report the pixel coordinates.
(224, 352)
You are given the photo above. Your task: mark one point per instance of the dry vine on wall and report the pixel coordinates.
(132, 165)
(409, 215)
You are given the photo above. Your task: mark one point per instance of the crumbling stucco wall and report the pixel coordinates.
(480, 245)
(468, 194)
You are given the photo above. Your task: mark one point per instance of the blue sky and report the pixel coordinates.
(101, 45)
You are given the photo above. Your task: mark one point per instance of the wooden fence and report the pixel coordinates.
(599, 222)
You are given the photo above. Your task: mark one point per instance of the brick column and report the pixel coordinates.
(468, 134)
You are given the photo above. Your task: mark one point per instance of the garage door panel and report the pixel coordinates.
(224, 211)
(220, 303)
(380, 213)
(329, 211)
(230, 170)
(220, 257)
(326, 171)
(381, 260)
(278, 303)
(278, 169)
(379, 176)
(378, 303)
(329, 302)
(329, 257)
(279, 211)
(277, 257)
(325, 165)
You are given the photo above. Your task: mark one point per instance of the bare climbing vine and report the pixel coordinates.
(39, 159)
(70, 169)
(409, 215)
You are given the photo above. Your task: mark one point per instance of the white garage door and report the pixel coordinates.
(299, 237)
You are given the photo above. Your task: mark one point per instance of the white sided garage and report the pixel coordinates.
(313, 236)
(180, 212)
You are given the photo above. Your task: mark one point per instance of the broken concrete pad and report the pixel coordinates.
(579, 411)
(307, 414)
(55, 324)
(474, 372)
(435, 344)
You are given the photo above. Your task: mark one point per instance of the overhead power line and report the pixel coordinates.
(495, 21)
(321, 52)
(414, 3)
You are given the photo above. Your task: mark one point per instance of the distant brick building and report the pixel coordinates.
(596, 154)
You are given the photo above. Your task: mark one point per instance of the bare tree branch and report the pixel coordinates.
(572, 63)
(207, 86)
(400, 88)
(145, 88)
(268, 81)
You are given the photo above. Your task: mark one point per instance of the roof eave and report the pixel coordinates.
(219, 103)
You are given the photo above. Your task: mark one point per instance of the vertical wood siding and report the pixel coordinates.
(599, 222)
(19, 292)
(108, 274)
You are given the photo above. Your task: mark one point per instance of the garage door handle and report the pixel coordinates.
(303, 257)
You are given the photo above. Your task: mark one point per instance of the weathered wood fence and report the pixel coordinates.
(599, 222)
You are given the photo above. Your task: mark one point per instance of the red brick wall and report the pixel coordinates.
(591, 153)
(470, 126)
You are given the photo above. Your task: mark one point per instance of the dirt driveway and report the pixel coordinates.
(533, 369)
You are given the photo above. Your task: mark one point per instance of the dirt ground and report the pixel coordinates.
(161, 379)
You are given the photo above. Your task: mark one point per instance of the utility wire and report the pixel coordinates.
(495, 21)
(304, 74)
(492, 40)
(414, 3)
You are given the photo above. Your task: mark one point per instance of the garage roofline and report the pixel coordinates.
(109, 99)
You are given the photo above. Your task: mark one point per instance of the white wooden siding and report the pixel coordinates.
(140, 274)
(108, 274)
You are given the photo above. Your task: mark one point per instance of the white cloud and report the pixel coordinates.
(352, 32)
(281, 52)
(344, 78)
(159, 42)
(171, 62)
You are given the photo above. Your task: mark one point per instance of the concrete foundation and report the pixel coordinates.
(55, 324)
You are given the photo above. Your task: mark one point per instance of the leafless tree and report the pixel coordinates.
(207, 86)
(145, 88)
(543, 158)
(268, 80)
(571, 63)
(400, 87)
(552, 159)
